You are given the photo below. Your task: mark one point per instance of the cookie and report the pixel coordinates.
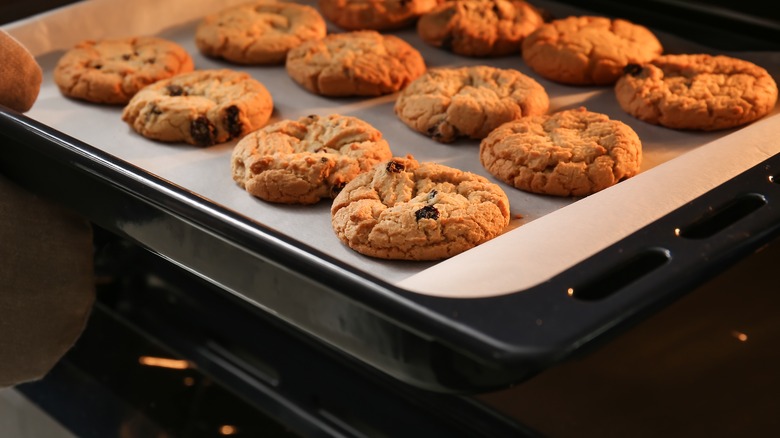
(258, 33)
(358, 63)
(202, 108)
(568, 153)
(406, 210)
(697, 92)
(479, 27)
(588, 50)
(20, 75)
(112, 71)
(303, 161)
(375, 14)
(448, 103)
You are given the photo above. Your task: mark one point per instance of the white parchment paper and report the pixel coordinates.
(547, 234)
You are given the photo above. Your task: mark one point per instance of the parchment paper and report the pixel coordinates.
(547, 234)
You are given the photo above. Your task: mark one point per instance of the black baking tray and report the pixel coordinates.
(438, 343)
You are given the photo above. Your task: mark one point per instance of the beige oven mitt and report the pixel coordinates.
(46, 265)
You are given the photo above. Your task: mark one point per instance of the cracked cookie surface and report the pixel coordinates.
(588, 50)
(448, 103)
(697, 92)
(303, 161)
(202, 108)
(479, 27)
(357, 63)
(374, 14)
(112, 71)
(406, 210)
(569, 153)
(260, 32)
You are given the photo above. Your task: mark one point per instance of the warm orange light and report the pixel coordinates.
(163, 362)
(228, 430)
(570, 291)
(677, 232)
(740, 336)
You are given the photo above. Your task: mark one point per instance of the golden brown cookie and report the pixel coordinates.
(359, 63)
(697, 91)
(568, 153)
(303, 161)
(20, 75)
(405, 210)
(479, 27)
(448, 103)
(588, 50)
(203, 108)
(111, 71)
(374, 14)
(260, 32)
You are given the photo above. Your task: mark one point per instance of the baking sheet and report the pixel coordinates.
(547, 235)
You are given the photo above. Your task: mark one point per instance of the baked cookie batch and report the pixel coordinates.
(394, 207)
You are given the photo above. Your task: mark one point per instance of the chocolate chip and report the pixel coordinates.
(427, 212)
(395, 167)
(175, 90)
(632, 69)
(202, 131)
(233, 122)
(126, 57)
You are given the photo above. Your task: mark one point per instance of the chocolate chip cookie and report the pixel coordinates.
(588, 50)
(358, 63)
(568, 153)
(449, 103)
(303, 161)
(697, 91)
(111, 71)
(479, 27)
(406, 210)
(375, 14)
(260, 32)
(202, 108)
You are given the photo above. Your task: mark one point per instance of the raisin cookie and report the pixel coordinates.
(202, 108)
(405, 210)
(697, 92)
(448, 103)
(258, 33)
(303, 161)
(569, 153)
(111, 71)
(358, 63)
(588, 50)
(375, 14)
(479, 27)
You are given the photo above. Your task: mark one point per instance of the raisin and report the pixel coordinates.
(632, 69)
(446, 42)
(126, 57)
(175, 90)
(233, 122)
(395, 167)
(202, 131)
(336, 189)
(427, 212)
